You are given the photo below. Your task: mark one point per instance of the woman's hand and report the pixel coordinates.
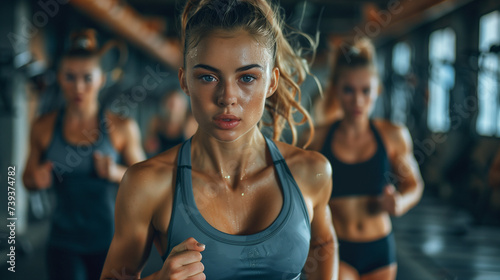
(390, 201)
(105, 166)
(42, 176)
(184, 262)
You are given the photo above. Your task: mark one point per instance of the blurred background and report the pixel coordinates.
(438, 61)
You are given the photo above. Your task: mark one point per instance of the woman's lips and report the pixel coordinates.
(357, 112)
(226, 121)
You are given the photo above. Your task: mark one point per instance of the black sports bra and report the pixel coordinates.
(367, 178)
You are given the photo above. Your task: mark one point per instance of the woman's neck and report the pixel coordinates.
(232, 161)
(82, 113)
(354, 126)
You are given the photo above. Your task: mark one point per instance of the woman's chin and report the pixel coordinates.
(227, 136)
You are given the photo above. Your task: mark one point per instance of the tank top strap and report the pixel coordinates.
(279, 164)
(326, 150)
(184, 157)
(59, 120)
(275, 153)
(378, 138)
(58, 134)
(291, 190)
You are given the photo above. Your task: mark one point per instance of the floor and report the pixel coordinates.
(435, 242)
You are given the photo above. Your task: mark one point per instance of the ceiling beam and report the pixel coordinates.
(125, 21)
(410, 15)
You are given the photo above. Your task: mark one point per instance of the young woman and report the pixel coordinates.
(77, 150)
(365, 155)
(172, 126)
(230, 203)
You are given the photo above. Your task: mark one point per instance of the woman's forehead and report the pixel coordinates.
(358, 74)
(80, 63)
(228, 49)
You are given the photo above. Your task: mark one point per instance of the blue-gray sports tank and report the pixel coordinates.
(278, 252)
(83, 219)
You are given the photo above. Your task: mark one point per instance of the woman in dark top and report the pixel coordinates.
(230, 203)
(172, 126)
(76, 150)
(365, 155)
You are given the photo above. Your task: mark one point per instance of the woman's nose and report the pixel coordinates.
(79, 86)
(228, 95)
(359, 99)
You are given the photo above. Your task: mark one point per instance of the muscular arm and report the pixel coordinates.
(494, 174)
(131, 152)
(134, 233)
(37, 175)
(322, 261)
(406, 173)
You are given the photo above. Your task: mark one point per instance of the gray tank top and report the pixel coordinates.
(83, 220)
(278, 252)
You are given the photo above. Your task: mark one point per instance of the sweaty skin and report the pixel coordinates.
(366, 218)
(234, 182)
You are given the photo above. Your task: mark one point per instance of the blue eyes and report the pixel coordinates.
(349, 90)
(72, 78)
(207, 78)
(245, 78)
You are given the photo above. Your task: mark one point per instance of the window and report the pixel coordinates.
(378, 109)
(401, 92)
(441, 79)
(401, 58)
(488, 120)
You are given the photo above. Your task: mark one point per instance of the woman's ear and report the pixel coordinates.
(273, 86)
(182, 80)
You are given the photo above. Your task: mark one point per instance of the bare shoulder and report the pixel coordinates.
(45, 121)
(123, 130)
(396, 137)
(310, 169)
(43, 128)
(150, 181)
(320, 133)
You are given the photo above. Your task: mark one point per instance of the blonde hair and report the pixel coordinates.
(83, 44)
(347, 55)
(263, 22)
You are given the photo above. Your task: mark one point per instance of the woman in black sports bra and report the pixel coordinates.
(365, 155)
(230, 203)
(172, 126)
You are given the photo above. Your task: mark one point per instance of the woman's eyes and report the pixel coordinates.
(208, 78)
(70, 77)
(347, 90)
(247, 78)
